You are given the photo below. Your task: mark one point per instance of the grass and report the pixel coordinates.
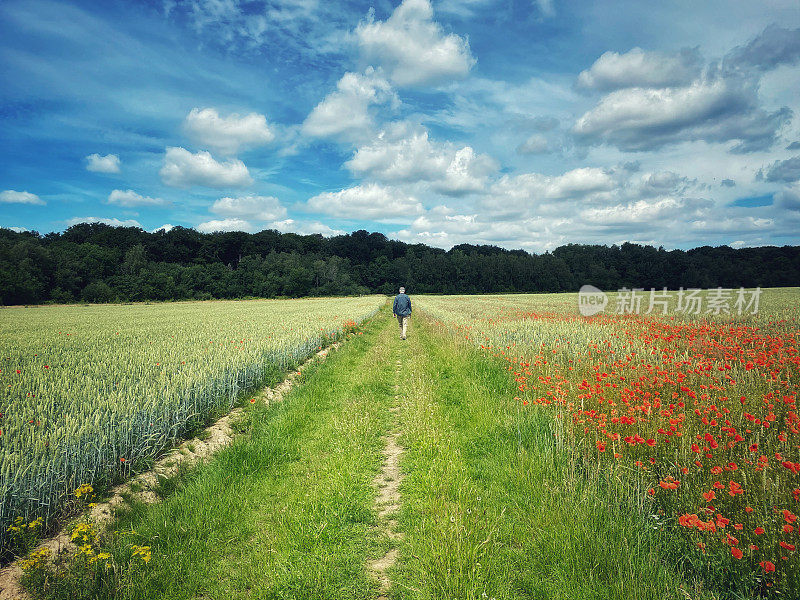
(493, 503)
(493, 507)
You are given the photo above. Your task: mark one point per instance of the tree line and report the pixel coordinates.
(99, 263)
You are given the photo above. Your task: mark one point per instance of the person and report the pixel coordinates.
(402, 310)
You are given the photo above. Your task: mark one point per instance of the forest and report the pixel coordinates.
(99, 263)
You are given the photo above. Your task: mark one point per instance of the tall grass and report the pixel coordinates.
(88, 393)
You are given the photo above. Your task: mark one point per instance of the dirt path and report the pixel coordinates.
(141, 487)
(388, 501)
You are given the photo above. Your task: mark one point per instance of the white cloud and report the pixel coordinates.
(227, 135)
(412, 48)
(400, 155)
(17, 229)
(129, 198)
(644, 212)
(516, 192)
(114, 222)
(184, 169)
(536, 144)
(732, 224)
(714, 110)
(345, 112)
(637, 68)
(260, 208)
(103, 164)
(225, 225)
(14, 197)
(368, 201)
(166, 228)
(305, 228)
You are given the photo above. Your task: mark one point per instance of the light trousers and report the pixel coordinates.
(402, 321)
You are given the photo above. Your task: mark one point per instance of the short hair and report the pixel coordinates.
(402, 290)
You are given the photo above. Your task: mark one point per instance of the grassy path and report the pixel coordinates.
(395, 470)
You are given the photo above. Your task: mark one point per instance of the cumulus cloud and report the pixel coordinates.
(638, 68)
(346, 111)
(17, 229)
(744, 224)
(260, 208)
(715, 110)
(370, 201)
(103, 164)
(784, 170)
(14, 197)
(305, 228)
(657, 99)
(412, 48)
(225, 225)
(403, 155)
(527, 187)
(114, 222)
(646, 211)
(129, 198)
(227, 135)
(166, 228)
(184, 169)
(773, 47)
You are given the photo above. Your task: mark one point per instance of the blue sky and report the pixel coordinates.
(524, 124)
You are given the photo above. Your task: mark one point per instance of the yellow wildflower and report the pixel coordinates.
(36, 560)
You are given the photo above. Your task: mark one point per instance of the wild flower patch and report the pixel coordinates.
(701, 413)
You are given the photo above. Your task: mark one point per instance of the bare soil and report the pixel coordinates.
(387, 503)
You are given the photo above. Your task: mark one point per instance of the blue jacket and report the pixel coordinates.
(402, 305)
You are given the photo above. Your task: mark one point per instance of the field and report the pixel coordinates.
(698, 413)
(510, 448)
(91, 392)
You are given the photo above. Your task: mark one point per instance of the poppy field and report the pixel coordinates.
(696, 413)
(90, 393)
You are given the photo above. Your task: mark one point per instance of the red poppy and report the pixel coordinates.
(767, 566)
(737, 554)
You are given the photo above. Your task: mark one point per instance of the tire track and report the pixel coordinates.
(387, 484)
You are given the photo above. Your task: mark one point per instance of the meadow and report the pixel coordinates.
(697, 413)
(90, 393)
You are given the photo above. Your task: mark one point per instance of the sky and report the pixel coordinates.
(518, 123)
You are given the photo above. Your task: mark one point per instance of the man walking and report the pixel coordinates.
(402, 310)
